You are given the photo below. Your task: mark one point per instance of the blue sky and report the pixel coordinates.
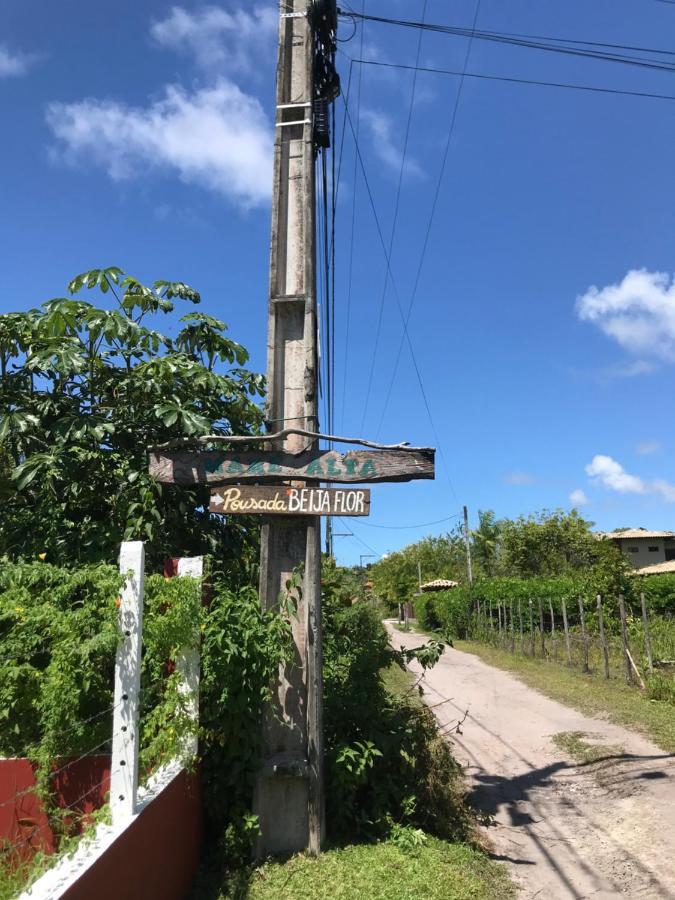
(139, 134)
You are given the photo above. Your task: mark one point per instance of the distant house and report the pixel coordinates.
(645, 550)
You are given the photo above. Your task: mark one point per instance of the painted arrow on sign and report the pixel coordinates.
(259, 500)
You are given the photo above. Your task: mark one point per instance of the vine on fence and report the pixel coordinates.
(58, 638)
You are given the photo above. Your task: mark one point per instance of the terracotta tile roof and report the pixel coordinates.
(657, 569)
(632, 534)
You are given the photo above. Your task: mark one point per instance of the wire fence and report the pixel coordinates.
(612, 639)
(46, 797)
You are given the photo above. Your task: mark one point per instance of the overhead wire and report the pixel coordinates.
(649, 95)
(392, 238)
(360, 539)
(405, 527)
(561, 46)
(350, 274)
(418, 373)
(432, 216)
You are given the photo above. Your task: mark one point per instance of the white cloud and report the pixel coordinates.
(645, 448)
(13, 64)
(519, 478)
(638, 313)
(611, 474)
(218, 39)
(578, 498)
(217, 137)
(608, 473)
(381, 128)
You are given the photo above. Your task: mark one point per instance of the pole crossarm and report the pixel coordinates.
(281, 435)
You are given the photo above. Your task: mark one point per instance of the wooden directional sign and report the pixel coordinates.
(259, 500)
(236, 466)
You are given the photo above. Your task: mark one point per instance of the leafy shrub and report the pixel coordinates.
(659, 593)
(425, 612)
(242, 648)
(58, 639)
(386, 765)
(452, 610)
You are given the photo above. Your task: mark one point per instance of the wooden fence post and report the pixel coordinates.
(499, 619)
(624, 639)
(520, 620)
(531, 630)
(567, 632)
(124, 762)
(647, 636)
(553, 644)
(584, 637)
(513, 630)
(187, 662)
(603, 638)
(542, 636)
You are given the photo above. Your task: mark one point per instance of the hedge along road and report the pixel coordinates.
(566, 830)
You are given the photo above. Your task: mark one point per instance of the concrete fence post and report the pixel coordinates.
(125, 741)
(187, 662)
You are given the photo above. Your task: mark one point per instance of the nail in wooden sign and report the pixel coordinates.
(231, 466)
(265, 500)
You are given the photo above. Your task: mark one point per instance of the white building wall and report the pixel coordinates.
(643, 557)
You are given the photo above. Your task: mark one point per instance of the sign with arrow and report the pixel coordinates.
(261, 500)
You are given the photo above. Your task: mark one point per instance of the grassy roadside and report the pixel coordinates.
(435, 871)
(410, 865)
(589, 694)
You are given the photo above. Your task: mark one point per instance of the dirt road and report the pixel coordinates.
(566, 830)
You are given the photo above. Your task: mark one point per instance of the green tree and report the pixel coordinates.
(395, 577)
(84, 391)
(546, 543)
(485, 541)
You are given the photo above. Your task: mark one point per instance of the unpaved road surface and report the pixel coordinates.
(565, 830)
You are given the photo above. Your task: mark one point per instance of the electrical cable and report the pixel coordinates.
(432, 216)
(350, 280)
(400, 309)
(405, 527)
(560, 46)
(359, 539)
(332, 269)
(397, 203)
(514, 80)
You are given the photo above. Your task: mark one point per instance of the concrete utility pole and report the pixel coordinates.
(289, 791)
(467, 542)
(289, 796)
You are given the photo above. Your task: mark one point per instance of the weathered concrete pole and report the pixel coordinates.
(289, 791)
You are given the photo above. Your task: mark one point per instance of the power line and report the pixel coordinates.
(392, 238)
(360, 540)
(432, 216)
(353, 225)
(404, 527)
(562, 46)
(513, 80)
(400, 309)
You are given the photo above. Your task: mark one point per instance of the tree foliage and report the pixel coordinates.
(395, 577)
(85, 389)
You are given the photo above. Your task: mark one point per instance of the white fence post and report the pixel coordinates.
(187, 662)
(125, 743)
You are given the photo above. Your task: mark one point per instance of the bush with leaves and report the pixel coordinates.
(386, 765)
(59, 633)
(85, 389)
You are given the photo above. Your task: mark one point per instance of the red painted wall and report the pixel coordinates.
(82, 786)
(156, 858)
